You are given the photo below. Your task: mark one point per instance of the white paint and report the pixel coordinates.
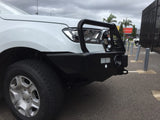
(39, 32)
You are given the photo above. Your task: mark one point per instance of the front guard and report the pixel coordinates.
(92, 66)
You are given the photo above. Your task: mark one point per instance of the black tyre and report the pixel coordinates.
(33, 91)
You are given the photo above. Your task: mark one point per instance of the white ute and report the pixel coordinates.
(42, 56)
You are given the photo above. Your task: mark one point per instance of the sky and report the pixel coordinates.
(90, 9)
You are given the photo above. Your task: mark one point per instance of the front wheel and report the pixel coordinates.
(32, 90)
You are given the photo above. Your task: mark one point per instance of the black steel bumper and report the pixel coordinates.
(89, 65)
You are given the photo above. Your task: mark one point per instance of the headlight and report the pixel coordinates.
(90, 35)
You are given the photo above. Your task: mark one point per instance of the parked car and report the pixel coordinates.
(136, 41)
(42, 56)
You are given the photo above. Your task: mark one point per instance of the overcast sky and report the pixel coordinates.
(91, 9)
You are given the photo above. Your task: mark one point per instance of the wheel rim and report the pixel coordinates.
(24, 96)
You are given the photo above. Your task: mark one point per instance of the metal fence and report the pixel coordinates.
(150, 27)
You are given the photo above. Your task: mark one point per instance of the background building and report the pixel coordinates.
(150, 27)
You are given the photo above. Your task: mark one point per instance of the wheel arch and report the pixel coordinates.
(16, 54)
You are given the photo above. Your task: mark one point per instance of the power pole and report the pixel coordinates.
(37, 12)
(51, 12)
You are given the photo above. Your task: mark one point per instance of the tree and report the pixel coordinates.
(126, 22)
(134, 31)
(110, 19)
(121, 30)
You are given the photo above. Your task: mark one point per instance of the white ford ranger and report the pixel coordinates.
(40, 56)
